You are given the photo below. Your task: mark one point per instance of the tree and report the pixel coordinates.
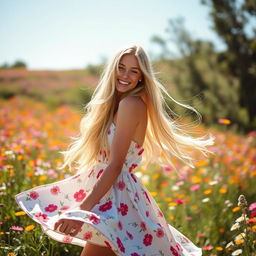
(233, 22)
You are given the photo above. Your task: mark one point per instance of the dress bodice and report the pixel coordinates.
(134, 154)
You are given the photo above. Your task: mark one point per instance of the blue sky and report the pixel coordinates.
(65, 34)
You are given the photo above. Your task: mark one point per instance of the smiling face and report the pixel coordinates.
(128, 74)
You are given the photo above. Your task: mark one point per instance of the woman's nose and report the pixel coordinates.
(125, 73)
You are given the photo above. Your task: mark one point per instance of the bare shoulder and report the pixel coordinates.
(135, 102)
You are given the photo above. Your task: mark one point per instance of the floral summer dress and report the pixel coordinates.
(126, 219)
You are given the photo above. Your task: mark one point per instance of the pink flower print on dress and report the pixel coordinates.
(51, 208)
(88, 235)
(91, 172)
(120, 225)
(179, 248)
(108, 244)
(94, 219)
(121, 185)
(133, 176)
(67, 239)
(34, 195)
(99, 173)
(106, 206)
(137, 145)
(186, 239)
(123, 209)
(147, 240)
(143, 226)
(159, 232)
(174, 252)
(55, 190)
(42, 217)
(120, 245)
(140, 152)
(80, 195)
(145, 193)
(64, 208)
(133, 166)
(160, 213)
(136, 197)
(129, 235)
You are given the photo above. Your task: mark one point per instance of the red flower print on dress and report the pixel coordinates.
(186, 239)
(143, 225)
(80, 195)
(133, 176)
(91, 172)
(51, 208)
(88, 235)
(174, 252)
(120, 245)
(67, 239)
(120, 225)
(145, 193)
(121, 185)
(147, 239)
(34, 195)
(136, 197)
(159, 232)
(109, 132)
(123, 209)
(94, 219)
(108, 244)
(132, 167)
(137, 145)
(64, 208)
(129, 235)
(100, 172)
(160, 213)
(55, 190)
(147, 213)
(179, 248)
(140, 152)
(106, 206)
(42, 217)
(135, 254)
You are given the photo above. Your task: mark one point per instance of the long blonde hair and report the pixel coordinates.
(165, 138)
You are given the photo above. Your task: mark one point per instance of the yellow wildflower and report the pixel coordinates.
(30, 227)
(20, 213)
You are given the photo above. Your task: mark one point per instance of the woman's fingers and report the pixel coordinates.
(69, 227)
(59, 222)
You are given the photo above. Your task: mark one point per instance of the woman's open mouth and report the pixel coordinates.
(121, 82)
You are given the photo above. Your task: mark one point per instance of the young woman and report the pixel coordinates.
(104, 207)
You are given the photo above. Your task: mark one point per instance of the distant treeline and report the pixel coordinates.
(16, 64)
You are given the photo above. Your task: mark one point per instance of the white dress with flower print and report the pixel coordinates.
(126, 219)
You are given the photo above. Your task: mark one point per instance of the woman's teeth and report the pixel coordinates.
(122, 82)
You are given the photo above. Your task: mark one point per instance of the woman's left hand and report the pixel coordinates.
(69, 227)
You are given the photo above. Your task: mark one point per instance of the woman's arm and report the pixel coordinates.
(127, 120)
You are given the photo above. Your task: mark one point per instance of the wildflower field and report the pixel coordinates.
(202, 203)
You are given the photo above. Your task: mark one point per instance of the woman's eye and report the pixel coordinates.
(135, 72)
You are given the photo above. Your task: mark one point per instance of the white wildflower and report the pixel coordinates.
(205, 200)
(236, 252)
(229, 244)
(214, 182)
(175, 188)
(235, 226)
(240, 236)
